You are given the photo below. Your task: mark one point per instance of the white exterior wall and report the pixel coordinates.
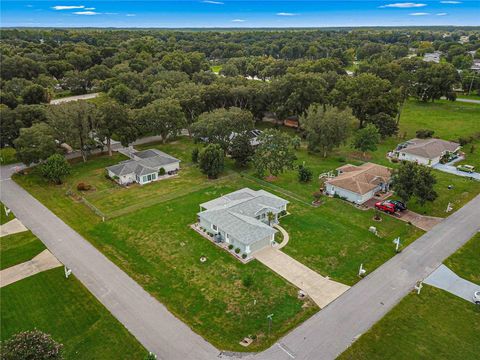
(351, 196)
(418, 159)
(123, 179)
(171, 167)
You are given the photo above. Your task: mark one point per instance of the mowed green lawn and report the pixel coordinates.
(432, 325)
(4, 218)
(466, 261)
(159, 250)
(18, 248)
(66, 310)
(334, 239)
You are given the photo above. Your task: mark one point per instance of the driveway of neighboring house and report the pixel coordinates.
(445, 279)
(448, 168)
(42, 262)
(423, 222)
(12, 227)
(320, 289)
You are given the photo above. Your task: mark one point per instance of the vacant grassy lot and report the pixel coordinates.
(432, 325)
(466, 261)
(18, 248)
(66, 310)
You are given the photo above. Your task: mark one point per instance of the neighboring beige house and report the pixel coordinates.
(144, 167)
(427, 152)
(358, 184)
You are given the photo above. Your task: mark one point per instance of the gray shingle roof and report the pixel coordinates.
(235, 213)
(143, 163)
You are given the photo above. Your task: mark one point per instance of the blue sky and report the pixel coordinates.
(237, 13)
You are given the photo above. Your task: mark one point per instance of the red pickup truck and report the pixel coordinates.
(385, 206)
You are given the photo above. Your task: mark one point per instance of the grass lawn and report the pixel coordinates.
(18, 248)
(3, 217)
(432, 325)
(8, 156)
(66, 310)
(158, 249)
(334, 240)
(466, 261)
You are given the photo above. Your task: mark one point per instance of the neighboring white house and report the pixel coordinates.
(241, 218)
(144, 167)
(427, 152)
(358, 184)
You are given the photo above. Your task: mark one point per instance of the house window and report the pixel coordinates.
(144, 179)
(149, 177)
(154, 176)
(214, 227)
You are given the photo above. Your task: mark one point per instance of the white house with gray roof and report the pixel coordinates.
(241, 218)
(144, 167)
(427, 152)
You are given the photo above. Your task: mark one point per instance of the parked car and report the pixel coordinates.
(476, 297)
(399, 206)
(466, 168)
(386, 207)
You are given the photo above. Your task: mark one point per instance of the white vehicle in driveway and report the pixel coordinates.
(476, 297)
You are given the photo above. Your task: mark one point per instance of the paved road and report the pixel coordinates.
(471, 101)
(323, 336)
(147, 319)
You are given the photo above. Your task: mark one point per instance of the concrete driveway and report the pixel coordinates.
(423, 222)
(453, 170)
(445, 279)
(320, 289)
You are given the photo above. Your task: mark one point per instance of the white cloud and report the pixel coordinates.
(89, 8)
(441, 14)
(110, 13)
(450, 2)
(212, 2)
(403, 5)
(131, 14)
(238, 20)
(419, 14)
(88, 13)
(67, 7)
(286, 14)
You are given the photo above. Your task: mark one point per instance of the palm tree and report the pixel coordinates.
(270, 217)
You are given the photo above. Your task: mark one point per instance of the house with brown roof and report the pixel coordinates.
(358, 184)
(427, 152)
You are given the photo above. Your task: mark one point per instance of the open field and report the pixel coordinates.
(18, 248)
(434, 324)
(66, 310)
